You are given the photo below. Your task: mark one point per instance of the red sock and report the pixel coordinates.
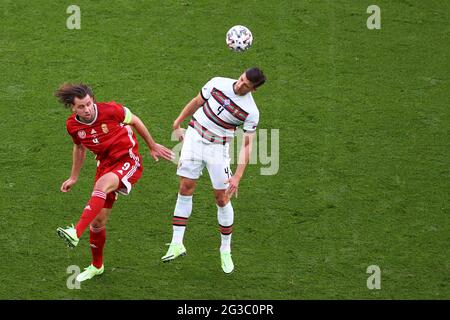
(97, 240)
(93, 207)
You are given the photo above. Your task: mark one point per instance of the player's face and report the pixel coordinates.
(84, 108)
(243, 85)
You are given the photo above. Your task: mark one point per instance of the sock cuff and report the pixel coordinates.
(97, 230)
(99, 194)
(184, 198)
(227, 207)
(183, 207)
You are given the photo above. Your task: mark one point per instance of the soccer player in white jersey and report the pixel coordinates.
(222, 105)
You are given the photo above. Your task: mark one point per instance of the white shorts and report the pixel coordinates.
(197, 153)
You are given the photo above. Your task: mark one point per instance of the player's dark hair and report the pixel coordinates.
(67, 93)
(256, 76)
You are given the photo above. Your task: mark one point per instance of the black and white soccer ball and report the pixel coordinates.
(239, 38)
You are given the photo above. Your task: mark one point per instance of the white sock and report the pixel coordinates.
(225, 216)
(226, 243)
(183, 210)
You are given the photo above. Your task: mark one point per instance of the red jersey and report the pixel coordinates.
(106, 136)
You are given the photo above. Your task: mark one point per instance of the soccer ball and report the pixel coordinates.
(239, 38)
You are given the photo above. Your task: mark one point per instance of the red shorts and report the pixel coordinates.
(127, 169)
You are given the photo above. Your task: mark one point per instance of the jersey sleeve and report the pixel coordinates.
(75, 140)
(128, 115)
(206, 90)
(121, 113)
(73, 135)
(251, 123)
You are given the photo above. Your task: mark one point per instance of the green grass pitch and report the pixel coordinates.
(363, 123)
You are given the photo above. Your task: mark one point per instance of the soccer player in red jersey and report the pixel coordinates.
(104, 128)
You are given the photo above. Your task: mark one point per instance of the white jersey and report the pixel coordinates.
(224, 111)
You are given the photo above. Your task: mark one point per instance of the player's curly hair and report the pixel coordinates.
(67, 93)
(256, 76)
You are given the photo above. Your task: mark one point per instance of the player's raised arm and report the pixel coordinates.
(78, 156)
(156, 150)
(244, 157)
(187, 111)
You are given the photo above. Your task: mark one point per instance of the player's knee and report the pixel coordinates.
(222, 200)
(221, 203)
(101, 186)
(187, 189)
(107, 183)
(98, 223)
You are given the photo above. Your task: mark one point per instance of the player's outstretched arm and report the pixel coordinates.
(187, 111)
(244, 156)
(156, 150)
(78, 156)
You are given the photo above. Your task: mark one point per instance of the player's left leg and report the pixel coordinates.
(97, 241)
(97, 236)
(218, 165)
(129, 172)
(225, 217)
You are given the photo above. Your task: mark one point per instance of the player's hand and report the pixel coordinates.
(67, 185)
(159, 150)
(233, 186)
(179, 133)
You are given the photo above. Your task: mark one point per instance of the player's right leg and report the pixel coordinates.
(189, 169)
(182, 212)
(104, 185)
